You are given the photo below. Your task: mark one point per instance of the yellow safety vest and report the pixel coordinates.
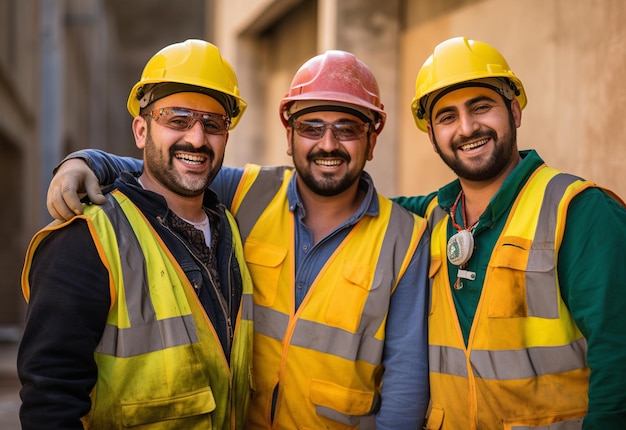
(160, 362)
(325, 357)
(525, 363)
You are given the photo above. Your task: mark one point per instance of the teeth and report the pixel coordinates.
(474, 145)
(191, 159)
(328, 163)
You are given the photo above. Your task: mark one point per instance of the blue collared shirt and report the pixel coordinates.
(405, 392)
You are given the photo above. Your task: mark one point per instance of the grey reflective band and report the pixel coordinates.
(573, 424)
(141, 339)
(365, 422)
(261, 193)
(247, 306)
(319, 337)
(146, 333)
(541, 283)
(509, 364)
(133, 264)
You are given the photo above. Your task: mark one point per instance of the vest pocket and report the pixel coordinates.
(263, 263)
(340, 404)
(525, 278)
(350, 292)
(175, 409)
(507, 269)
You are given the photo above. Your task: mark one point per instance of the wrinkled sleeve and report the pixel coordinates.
(405, 389)
(592, 277)
(65, 318)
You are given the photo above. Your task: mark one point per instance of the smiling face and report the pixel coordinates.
(327, 166)
(474, 132)
(183, 162)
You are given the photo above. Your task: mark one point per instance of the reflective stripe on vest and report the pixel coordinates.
(509, 364)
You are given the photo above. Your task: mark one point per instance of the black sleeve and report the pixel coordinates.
(66, 315)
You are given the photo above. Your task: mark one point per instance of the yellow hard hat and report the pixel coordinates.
(193, 65)
(457, 61)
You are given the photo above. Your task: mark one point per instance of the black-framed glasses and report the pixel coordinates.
(342, 130)
(178, 118)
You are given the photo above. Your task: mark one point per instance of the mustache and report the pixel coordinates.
(332, 154)
(186, 147)
(477, 135)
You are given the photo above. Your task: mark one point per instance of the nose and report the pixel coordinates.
(328, 141)
(467, 124)
(195, 134)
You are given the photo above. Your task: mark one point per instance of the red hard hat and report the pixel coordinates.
(336, 77)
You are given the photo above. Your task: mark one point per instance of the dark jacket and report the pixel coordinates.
(70, 300)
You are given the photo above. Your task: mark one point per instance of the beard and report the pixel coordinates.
(488, 168)
(328, 184)
(160, 164)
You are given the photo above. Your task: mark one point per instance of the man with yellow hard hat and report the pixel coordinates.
(140, 310)
(526, 325)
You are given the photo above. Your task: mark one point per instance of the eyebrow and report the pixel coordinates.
(468, 103)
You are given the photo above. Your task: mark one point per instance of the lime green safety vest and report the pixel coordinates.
(160, 362)
(325, 357)
(525, 363)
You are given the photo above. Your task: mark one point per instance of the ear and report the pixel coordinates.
(373, 138)
(516, 111)
(289, 131)
(431, 137)
(140, 131)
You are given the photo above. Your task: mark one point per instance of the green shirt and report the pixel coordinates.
(591, 272)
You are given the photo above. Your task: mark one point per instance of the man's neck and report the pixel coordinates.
(188, 208)
(326, 213)
(478, 194)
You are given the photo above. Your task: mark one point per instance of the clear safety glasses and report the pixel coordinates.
(342, 130)
(183, 119)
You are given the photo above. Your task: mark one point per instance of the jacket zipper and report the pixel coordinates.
(224, 306)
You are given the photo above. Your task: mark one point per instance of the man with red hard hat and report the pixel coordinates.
(339, 272)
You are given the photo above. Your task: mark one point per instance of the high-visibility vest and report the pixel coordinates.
(160, 362)
(525, 363)
(325, 357)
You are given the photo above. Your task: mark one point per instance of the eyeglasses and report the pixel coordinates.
(183, 119)
(342, 130)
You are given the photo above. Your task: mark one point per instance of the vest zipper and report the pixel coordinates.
(225, 307)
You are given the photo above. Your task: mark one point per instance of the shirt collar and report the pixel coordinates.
(369, 206)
